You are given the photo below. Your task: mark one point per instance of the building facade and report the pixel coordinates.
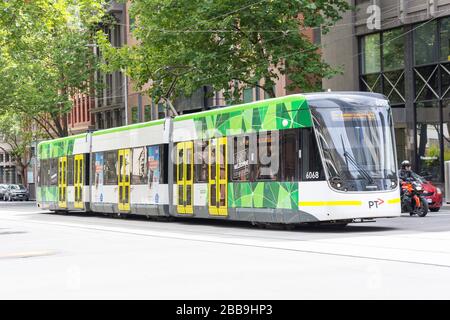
(108, 109)
(79, 119)
(400, 48)
(8, 172)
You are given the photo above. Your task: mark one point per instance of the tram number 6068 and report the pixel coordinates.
(312, 175)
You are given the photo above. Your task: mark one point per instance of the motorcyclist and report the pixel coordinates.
(406, 173)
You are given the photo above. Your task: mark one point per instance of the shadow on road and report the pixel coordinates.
(221, 223)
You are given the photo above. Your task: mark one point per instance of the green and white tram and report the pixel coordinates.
(304, 158)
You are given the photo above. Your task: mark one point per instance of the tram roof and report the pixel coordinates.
(339, 94)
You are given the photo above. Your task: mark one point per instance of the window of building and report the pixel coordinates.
(317, 35)
(371, 53)
(108, 118)
(425, 43)
(134, 114)
(147, 112)
(428, 150)
(110, 168)
(241, 165)
(444, 36)
(2, 157)
(393, 50)
(248, 95)
(161, 111)
(400, 141)
(382, 65)
(267, 167)
(139, 168)
(7, 157)
(118, 117)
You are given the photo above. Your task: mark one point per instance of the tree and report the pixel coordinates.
(45, 57)
(218, 43)
(16, 130)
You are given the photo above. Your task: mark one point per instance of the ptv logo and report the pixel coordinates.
(375, 203)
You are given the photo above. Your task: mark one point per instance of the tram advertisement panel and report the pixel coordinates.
(98, 178)
(153, 173)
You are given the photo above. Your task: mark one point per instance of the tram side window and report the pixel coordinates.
(110, 168)
(312, 169)
(53, 172)
(240, 167)
(139, 172)
(268, 165)
(201, 161)
(44, 172)
(289, 154)
(164, 164)
(154, 164)
(70, 170)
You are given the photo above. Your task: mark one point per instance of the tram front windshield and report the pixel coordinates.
(356, 139)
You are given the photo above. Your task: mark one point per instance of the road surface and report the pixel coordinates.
(49, 256)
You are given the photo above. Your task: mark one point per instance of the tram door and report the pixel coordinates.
(78, 169)
(62, 182)
(124, 179)
(218, 173)
(185, 177)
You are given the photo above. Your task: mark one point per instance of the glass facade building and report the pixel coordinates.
(410, 65)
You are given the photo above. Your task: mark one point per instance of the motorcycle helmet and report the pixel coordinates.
(405, 164)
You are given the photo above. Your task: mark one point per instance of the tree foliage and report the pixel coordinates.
(45, 57)
(221, 42)
(17, 131)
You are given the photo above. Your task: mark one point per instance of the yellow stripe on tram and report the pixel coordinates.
(329, 203)
(396, 200)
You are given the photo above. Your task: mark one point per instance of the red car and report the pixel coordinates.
(432, 193)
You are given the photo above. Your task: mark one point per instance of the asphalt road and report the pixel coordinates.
(49, 256)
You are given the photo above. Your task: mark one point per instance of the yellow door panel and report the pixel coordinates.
(218, 177)
(185, 177)
(212, 173)
(124, 179)
(189, 177)
(180, 177)
(62, 182)
(78, 180)
(222, 175)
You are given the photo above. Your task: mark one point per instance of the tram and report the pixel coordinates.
(304, 158)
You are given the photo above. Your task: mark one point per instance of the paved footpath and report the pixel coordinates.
(47, 256)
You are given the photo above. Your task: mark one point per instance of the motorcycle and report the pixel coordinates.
(412, 200)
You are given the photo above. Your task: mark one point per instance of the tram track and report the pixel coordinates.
(201, 236)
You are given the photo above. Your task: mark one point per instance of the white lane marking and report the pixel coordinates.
(28, 254)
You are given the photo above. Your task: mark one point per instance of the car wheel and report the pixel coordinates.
(435, 209)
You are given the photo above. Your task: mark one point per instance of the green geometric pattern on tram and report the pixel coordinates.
(284, 115)
(57, 148)
(275, 195)
(47, 194)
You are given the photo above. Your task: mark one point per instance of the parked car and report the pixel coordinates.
(432, 193)
(3, 188)
(16, 192)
